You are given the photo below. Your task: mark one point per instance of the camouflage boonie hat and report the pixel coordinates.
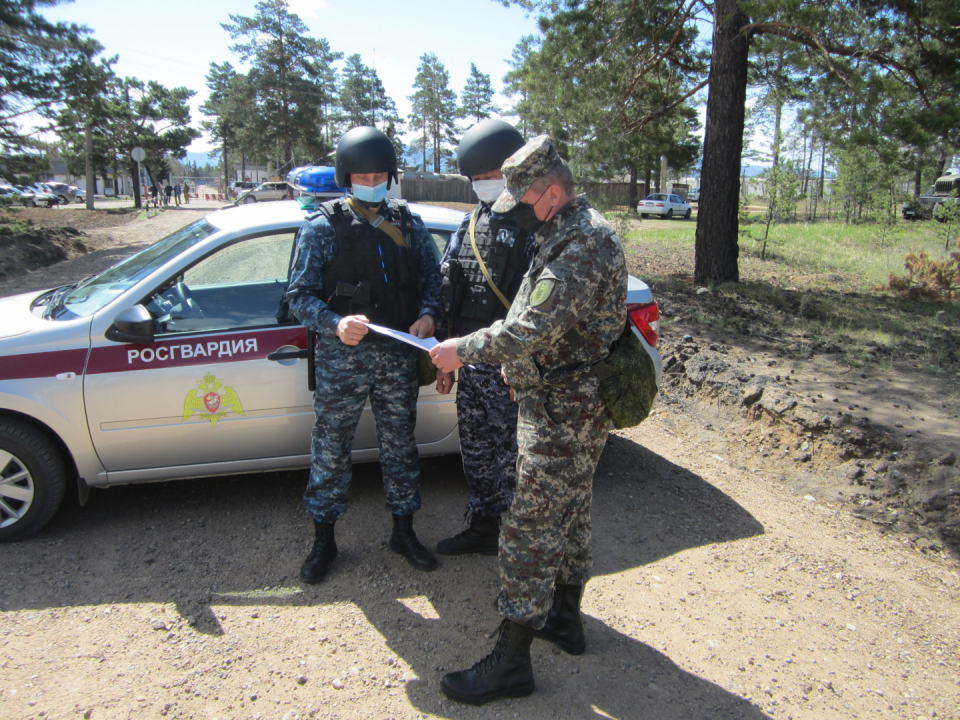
(524, 168)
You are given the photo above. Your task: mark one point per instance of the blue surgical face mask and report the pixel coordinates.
(368, 194)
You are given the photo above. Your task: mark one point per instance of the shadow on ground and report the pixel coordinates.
(240, 541)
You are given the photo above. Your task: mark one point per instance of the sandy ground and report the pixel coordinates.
(721, 590)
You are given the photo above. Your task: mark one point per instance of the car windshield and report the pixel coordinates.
(92, 294)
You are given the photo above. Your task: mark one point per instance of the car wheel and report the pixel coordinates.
(31, 203)
(669, 214)
(643, 215)
(249, 199)
(689, 213)
(63, 199)
(32, 480)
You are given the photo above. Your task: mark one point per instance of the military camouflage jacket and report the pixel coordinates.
(317, 246)
(571, 306)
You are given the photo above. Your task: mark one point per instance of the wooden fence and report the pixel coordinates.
(438, 189)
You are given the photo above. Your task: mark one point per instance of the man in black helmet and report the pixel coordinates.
(482, 269)
(364, 259)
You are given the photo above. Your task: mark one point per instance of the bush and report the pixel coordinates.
(928, 278)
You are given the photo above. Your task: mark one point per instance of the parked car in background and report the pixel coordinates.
(61, 190)
(37, 194)
(666, 205)
(237, 188)
(265, 191)
(694, 195)
(183, 362)
(78, 194)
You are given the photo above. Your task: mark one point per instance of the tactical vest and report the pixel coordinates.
(469, 302)
(372, 275)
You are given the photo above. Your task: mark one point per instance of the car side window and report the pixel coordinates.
(238, 286)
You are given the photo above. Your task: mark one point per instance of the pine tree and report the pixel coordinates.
(434, 110)
(476, 100)
(290, 77)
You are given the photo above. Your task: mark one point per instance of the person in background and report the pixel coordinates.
(177, 189)
(186, 193)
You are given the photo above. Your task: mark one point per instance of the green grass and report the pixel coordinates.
(817, 288)
(865, 253)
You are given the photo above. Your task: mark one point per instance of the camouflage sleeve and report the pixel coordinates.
(429, 270)
(565, 290)
(315, 248)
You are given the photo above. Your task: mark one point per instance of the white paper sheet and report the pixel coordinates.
(422, 343)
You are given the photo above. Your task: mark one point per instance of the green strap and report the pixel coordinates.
(483, 267)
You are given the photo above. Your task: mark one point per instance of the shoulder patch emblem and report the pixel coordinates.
(542, 291)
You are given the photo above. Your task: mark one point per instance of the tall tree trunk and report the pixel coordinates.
(137, 199)
(633, 189)
(664, 173)
(918, 175)
(716, 251)
(823, 160)
(91, 176)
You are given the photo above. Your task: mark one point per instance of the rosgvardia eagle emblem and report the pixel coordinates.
(210, 402)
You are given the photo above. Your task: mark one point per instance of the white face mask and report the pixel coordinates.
(488, 190)
(374, 194)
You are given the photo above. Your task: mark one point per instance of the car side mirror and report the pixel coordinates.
(133, 325)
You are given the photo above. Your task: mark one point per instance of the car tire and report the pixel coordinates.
(31, 203)
(689, 213)
(32, 480)
(669, 215)
(249, 199)
(63, 200)
(643, 215)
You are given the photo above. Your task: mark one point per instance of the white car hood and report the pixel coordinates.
(15, 316)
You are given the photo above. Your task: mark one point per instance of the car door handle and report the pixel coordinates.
(288, 355)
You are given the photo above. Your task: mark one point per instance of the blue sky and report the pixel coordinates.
(174, 41)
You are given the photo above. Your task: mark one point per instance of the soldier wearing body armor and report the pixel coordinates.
(486, 244)
(356, 260)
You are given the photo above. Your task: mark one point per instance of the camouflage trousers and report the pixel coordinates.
(487, 420)
(545, 539)
(386, 371)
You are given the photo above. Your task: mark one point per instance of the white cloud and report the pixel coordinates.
(307, 8)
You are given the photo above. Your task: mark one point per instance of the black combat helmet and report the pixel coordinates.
(365, 150)
(486, 145)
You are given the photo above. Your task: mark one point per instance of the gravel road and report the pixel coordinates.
(718, 593)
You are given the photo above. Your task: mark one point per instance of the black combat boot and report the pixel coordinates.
(505, 672)
(481, 537)
(564, 626)
(315, 567)
(404, 542)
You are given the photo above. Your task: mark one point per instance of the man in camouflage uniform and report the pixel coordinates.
(569, 310)
(351, 266)
(486, 243)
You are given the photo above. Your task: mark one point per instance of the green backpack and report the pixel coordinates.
(628, 380)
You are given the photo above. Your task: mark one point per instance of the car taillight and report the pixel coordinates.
(659, 204)
(646, 318)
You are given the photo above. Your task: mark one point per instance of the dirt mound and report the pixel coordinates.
(24, 252)
(817, 444)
